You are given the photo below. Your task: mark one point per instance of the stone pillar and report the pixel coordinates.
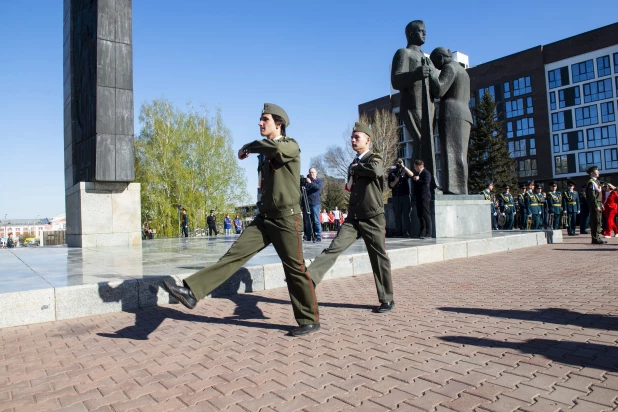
(102, 205)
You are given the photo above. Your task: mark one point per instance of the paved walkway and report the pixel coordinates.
(531, 329)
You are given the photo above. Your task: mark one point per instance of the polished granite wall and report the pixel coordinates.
(53, 283)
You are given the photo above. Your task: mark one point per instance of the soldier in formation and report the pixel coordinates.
(571, 206)
(507, 207)
(554, 206)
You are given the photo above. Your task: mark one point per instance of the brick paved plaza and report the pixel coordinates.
(531, 329)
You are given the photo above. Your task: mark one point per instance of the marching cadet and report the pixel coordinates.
(554, 206)
(584, 217)
(507, 207)
(279, 222)
(489, 186)
(543, 205)
(365, 218)
(595, 205)
(521, 202)
(571, 206)
(534, 207)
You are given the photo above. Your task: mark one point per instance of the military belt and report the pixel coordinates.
(556, 204)
(571, 203)
(534, 204)
(510, 204)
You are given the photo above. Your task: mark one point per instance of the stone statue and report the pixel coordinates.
(452, 87)
(409, 74)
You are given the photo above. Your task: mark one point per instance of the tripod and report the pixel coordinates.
(307, 211)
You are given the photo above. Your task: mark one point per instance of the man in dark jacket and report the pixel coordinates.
(313, 187)
(422, 194)
(278, 222)
(365, 219)
(398, 177)
(211, 221)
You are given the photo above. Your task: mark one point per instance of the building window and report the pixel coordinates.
(532, 147)
(509, 130)
(611, 158)
(507, 90)
(491, 90)
(601, 136)
(512, 149)
(600, 90)
(552, 100)
(527, 168)
(556, 139)
(573, 141)
(525, 126)
(586, 116)
(582, 71)
(472, 102)
(529, 106)
(607, 112)
(518, 148)
(564, 164)
(521, 86)
(588, 159)
(400, 129)
(558, 77)
(569, 97)
(561, 121)
(603, 67)
(615, 63)
(514, 108)
(401, 151)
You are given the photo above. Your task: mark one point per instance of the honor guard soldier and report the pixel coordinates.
(279, 222)
(489, 186)
(365, 218)
(571, 206)
(554, 206)
(595, 205)
(543, 205)
(521, 203)
(507, 207)
(534, 207)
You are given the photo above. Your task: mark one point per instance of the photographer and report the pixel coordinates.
(313, 186)
(398, 182)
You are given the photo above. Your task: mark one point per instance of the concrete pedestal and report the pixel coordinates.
(103, 214)
(461, 215)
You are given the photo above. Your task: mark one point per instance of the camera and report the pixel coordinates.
(303, 180)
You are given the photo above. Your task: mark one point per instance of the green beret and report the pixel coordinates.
(360, 127)
(591, 169)
(270, 108)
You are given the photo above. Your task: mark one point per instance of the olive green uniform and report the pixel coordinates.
(595, 204)
(365, 219)
(279, 222)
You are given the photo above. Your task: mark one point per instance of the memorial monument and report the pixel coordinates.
(421, 81)
(102, 203)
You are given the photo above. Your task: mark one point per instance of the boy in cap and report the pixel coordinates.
(278, 222)
(570, 205)
(507, 207)
(595, 205)
(554, 206)
(365, 219)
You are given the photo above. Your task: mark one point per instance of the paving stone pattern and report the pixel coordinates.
(530, 329)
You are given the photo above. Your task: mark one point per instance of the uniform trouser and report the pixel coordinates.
(555, 221)
(508, 221)
(285, 234)
(523, 220)
(212, 229)
(595, 224)
(401, 206)
(545, 223)
(423, 211)
(537, 221)
(584, 221)
(185, 231)
(373, 233)
(572, 217)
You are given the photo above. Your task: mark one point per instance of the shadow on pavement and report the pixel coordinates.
(578, 354)
(548, 315)
(595, 249)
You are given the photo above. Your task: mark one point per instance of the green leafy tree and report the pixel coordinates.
(185, 158)
(488, 154)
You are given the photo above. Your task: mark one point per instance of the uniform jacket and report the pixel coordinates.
(532, 203)
(489, 196)
(507, 203)
(367, 187)
(521, 203)
(279, 168)
(554, 202)
(593, 194)
(570, 202)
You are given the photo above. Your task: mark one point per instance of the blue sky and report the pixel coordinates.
(317, 59)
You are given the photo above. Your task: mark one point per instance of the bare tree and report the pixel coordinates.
(385, 137)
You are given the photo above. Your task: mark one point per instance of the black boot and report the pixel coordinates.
(303, 330)
(183, 294)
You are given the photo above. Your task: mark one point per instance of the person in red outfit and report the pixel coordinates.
(610, 208)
